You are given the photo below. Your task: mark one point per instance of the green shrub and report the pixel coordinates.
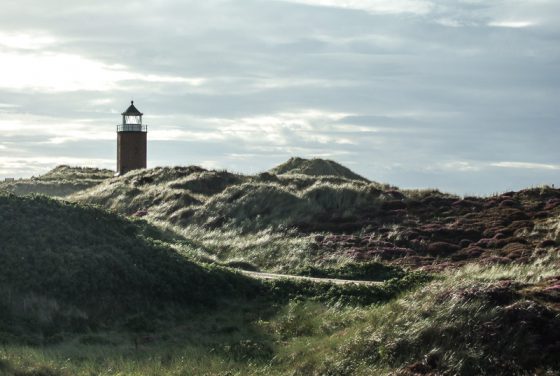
(349, 293)
(249, 350)
(366, 271)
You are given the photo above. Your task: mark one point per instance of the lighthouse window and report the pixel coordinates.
(133, 119)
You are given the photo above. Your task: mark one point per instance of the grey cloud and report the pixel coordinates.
(429, 93)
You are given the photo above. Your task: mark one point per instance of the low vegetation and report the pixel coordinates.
(144, 282)
(366, 271)
(315, 213)
(485, 320)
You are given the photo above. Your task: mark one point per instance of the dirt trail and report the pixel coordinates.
(272, 276)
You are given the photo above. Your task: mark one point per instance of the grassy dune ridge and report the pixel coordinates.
(59, 182)
(190, 195)
(313, 213)
(315, 167)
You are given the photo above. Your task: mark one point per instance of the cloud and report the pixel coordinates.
(512, 24)
(51, 130)
(413, 93)
(29, 61)
(527, 165)
(66, 72)
(463, 166)
(16, 166)
(375, 6)
(26, 41)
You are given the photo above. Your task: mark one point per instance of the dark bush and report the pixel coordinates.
(441, 248)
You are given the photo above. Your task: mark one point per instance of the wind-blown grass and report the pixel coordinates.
(278, 251)
(194, 196)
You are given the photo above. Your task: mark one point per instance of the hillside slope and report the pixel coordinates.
(315, 167)
(59, 182)
(73, 264)
(356, 220)
(195, 196)
(438, 232)
(491, 305)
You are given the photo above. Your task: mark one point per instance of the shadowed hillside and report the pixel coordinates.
(66, 267)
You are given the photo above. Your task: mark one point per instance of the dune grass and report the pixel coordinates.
(314, 167)
(266, 250)
(187, 196)
(463, 322)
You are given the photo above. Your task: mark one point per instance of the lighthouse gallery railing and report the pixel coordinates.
(132, 128)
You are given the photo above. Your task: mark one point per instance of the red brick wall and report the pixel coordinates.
(131, 151)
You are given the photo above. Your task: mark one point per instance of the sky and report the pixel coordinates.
(460, 95)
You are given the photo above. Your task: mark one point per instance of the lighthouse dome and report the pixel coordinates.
(132, 110)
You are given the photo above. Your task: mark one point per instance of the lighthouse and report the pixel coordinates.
(131, 141)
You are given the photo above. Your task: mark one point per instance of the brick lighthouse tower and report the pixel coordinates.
(131, 141)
